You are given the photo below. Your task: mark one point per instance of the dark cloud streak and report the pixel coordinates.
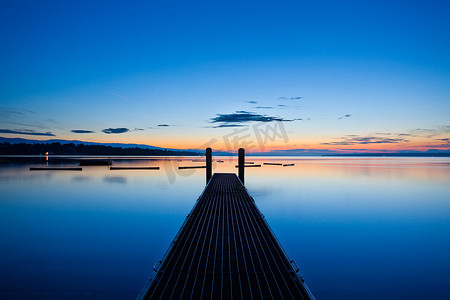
(243, 117)
(229, 125)
(82, 131)
(115, 130)
(26, 132)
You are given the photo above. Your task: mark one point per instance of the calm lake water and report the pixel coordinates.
(358, 228)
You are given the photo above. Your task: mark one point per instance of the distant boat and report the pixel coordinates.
(95, 162)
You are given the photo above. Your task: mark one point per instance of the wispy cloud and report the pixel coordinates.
(26, 132)
(444, 142)
(252, 102)
(120, 96)
(28, 125)
(422, 130)
(289, 103)
(345, 116)
(290, 98)
(364, 140)
(115, 130)
(163, 125)
(431, 133)
(436, 137)
(82, 131)
(264, 107)
(15, 111)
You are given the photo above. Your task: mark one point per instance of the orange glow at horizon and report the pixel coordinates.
(178, 141)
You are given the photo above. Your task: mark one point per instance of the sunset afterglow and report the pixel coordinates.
(341, 77)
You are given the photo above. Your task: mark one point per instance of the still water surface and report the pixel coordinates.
(359, 228)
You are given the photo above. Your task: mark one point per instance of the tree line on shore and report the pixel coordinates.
(82, 149)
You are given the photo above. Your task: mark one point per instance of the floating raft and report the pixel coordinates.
(249, 166)
(134, 168)
(192, 167)
(55, 169)
(225, 250)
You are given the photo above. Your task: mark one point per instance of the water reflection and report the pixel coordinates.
(358, 228)
(80, 178)
(115, 179)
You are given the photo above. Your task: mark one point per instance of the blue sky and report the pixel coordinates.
(359, 74)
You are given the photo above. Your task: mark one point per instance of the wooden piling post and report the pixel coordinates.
(241, 164)
(208, 164)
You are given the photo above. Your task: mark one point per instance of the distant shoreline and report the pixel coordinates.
(24, 147)
(390, 155)
(43, 149)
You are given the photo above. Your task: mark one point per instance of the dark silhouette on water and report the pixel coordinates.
(249, 166)
(191, 167)
(241, 164)
(55, 169)
(208, 164)
(134, 168)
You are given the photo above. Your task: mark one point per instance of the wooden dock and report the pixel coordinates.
(225, 250)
